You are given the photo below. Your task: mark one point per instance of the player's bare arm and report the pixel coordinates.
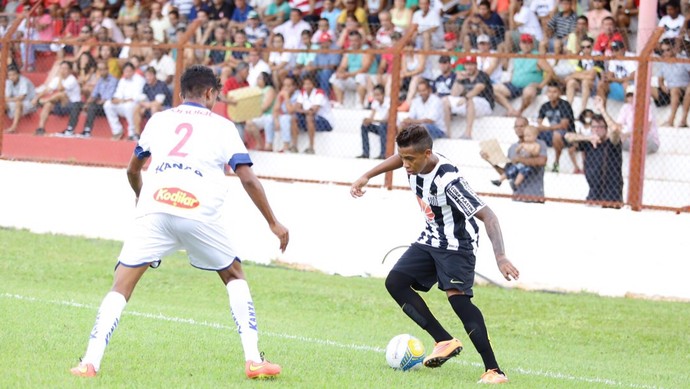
(255, 190)
(134, 169)
(493, 230)
(391, 163)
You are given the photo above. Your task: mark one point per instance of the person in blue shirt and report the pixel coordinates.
(102, 92)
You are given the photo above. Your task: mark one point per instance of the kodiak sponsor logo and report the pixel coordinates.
(176, 197)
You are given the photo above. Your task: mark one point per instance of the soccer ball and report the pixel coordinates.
(405, 352)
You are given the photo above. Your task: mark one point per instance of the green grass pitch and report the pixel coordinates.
(326, 331)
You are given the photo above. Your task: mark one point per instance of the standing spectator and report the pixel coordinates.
(377, 122)
(156, 97)
(674, 82)
(102, 92)
(603, 161)
(532, 188)
(596, 16)
(429, 27)
(619, 75)
(19, 93)
(559, 27)
(59, 96)
(426, 110)
(129, 88)
(529, 76)
(587, 72)
(325, 64)
(292, 29)
(313, 113)
(561, 119)
(472, 96)
(353, 73)
(517, 173)
(265, 121)
(256, 67)
(256, 31)
(607, 36)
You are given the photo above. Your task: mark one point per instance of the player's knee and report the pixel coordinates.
(396, 281)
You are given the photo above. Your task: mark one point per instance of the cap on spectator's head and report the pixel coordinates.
(483, 38)
(444, 59)
(325, 37)
(630, 90)
(252, 15)
(616, 45)
(527, 38)
(450, 36)
(467, 60)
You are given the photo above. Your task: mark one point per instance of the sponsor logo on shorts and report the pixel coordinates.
(176, 197)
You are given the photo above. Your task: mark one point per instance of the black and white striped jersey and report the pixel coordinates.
(448, 204)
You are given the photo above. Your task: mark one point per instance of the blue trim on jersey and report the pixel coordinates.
(240, 159)
(194, 104)
(140, 153)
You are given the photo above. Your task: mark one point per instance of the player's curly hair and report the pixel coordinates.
(415, 135)
(196, 79)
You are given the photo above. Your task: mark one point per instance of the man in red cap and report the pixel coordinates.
(325, 63)
(530, 75)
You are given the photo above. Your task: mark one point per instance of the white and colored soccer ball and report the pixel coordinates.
(405, 352)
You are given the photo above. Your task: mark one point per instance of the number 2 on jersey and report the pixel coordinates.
(177, 150)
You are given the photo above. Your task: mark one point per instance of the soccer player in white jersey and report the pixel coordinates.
(179, 206)
(444, 252)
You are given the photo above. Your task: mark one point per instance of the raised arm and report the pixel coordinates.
(391, 163)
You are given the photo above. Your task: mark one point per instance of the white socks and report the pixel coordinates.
(242, 308)
(106, 322)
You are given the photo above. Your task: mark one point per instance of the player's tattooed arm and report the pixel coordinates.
(493, 230)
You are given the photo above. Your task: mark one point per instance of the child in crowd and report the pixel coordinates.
(518, 172)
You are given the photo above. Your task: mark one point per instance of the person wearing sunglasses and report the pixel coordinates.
(586, 74)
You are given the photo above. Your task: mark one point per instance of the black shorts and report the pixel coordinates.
(429, 265)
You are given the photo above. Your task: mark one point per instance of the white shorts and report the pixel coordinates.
(158, 234)
(263, 121)
(27, 108)
(481, 106)
(349, 83)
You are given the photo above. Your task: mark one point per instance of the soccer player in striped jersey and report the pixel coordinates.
(444, 251)
(180, 206)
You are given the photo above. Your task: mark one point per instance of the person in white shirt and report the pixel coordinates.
(164, 65)
(427, 110)
(58, 96)
(672, 23)
(525, 21)
(292, 29)
(429, 26)
(19, 91)
(159, 23)
(313, 113)
(377, 122)
(124, 101)
(180, 205)
(256, 66)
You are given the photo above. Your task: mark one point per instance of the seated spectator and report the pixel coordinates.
(625, 121)
(529, 76)
(544, 9)
(322, 27)
(278, 60)
(674, 85)
(383, 39)
(523, 21)
(672, 22)
(145, 51)
(413, 70)
(532, 188)
(472, 96)
(331, 13)
(220, 10)
(608, 35)
(310, 9)
(455, 16)
(559, 27)
(491, 19)
(277, 13)
(41, 29)
(256, 31)
(283, 111)
(603, 162)
(518, 172)
(427, 110)
(354, 72)
(561, 120)
(107, 54)
(128, 90)
(429, 27)
(351, 25)
(58, 97)
(325, 64)
(265, 121)
(492, 66)
(374, 9)
(377, 122)
(101, 22)
(164, 65)
(85, 71)
(313, 113)
(156, 97)
(444, 82)
(472, 29)
(256, 67)
(595, 17)
(578, 36)
(358, 13)
(240, 14)
(237, 56)
(103, 91)
(586, 74)
(216, 58)
(159, 23)
(291, 30)
(619, 75)
(304, 61)
(129, 13)
(625, 13)
(19, 93)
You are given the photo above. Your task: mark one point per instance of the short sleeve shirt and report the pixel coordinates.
(563, 110)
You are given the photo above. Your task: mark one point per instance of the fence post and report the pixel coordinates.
(4, 56)
(638, 147)
(179, 61)
(397, 50)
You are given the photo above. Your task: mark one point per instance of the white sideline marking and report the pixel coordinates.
(159, 316)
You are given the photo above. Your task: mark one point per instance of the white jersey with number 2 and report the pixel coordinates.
(190, 146)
